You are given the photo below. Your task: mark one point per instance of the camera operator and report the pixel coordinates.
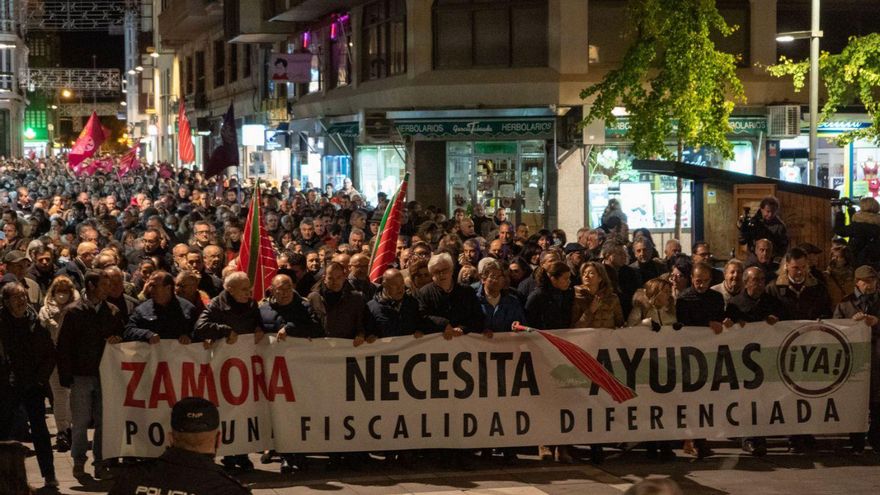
(863, 230)
(764, 224)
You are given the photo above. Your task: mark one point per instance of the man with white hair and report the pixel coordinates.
(234, 312)
(450, 306)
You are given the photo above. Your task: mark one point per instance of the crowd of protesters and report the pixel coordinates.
(151, 256)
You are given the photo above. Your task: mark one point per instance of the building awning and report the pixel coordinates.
(521, 128)
(725, 177)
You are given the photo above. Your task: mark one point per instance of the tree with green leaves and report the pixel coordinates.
(852, 76)
(673, 82)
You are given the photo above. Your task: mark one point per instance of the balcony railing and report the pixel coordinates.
(7, 81)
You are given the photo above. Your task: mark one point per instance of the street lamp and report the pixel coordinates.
(813, 35)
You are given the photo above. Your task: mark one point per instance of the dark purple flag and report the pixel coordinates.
(225, 155)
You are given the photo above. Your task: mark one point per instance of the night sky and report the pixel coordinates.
(77, 49)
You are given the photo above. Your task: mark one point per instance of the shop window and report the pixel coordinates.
(502, 33)
(648, 200)
(383, 39)
(219, 63)
(380, 169)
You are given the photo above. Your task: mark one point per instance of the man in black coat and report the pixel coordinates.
(393, 312)
(30, 355)
(287, 313)
(340, 309)
(91, 323)
(624, 278)
(76, 268)
(452, 307)
(234, 312)
(162, 316)
(753, 303)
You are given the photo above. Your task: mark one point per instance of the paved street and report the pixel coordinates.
(832, 470)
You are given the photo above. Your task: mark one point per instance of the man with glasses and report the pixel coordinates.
(450, 306)
(702, 253)
(202, 235)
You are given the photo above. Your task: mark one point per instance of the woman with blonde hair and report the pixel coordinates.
(60, 296)
(595, 303)
(653, 305)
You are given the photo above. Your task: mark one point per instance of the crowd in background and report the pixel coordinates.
(152, 255)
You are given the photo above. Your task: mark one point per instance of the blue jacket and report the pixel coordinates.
(168, 322)
(499, 318)
(387, 318)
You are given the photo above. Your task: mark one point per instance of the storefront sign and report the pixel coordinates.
(324, 395)
(477, 129)
(742, 126)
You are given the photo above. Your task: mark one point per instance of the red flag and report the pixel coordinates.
(385, 246)
(257, 256)
(128, 162)
(87, 143)
(185, 148)
(586, 364)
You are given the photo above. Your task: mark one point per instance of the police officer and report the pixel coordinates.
(187, 466)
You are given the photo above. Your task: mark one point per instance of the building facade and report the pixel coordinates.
(13, 59)
(479, 101)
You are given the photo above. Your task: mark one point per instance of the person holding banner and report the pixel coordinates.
(163, 316)
(450, 306)
(393, 312)
(595, 303)
(232, 313)
(87, 327)
(863, 304)
(187, 465)
(287, 313)
(339, 308)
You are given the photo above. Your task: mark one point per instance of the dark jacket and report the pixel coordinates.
(500, 317)
(341, 313)
(81, 338)
(365, 287)
(224, 315)
(696, 309)
(652, 269)
(549, 308)
(757, 229)
(75, 270)
(178, 471)
(170, 321)
(458, 308)
(389, 318)
(743, 307)
(864, 236)
(296, 318)
(810, 304)
(870, 305)
(28, 347)
(211, 284)
(626, 281)
(126, 305)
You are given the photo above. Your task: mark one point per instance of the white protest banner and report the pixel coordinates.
(325, 395)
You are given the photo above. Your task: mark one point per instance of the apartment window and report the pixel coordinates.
(384, 39)
(201, 83)
(501, 33)
(219, 63)
(609, 31)
(340, 52)
(246, 63)
(736, 13)
(189, 78)
(233, 62)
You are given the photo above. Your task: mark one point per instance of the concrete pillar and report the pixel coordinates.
(419, 38)
(567, 40)
(762, 38)
(571, 194)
